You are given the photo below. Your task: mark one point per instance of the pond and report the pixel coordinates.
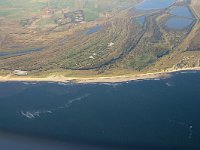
(154, 4)
(141, 20)
(94, 29)
(181, 11)
(177, 23)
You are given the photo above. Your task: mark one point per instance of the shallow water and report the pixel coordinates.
(153, 114)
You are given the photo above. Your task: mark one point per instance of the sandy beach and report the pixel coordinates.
(112, 79)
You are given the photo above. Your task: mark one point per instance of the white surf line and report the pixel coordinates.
(29, 83)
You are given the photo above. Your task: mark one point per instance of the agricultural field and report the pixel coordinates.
(16, 9)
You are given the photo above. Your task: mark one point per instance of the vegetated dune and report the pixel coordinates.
(195, 42)
(125, 43)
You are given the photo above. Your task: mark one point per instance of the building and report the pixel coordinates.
(20, 73)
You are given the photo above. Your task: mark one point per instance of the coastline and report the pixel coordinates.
(113, 79)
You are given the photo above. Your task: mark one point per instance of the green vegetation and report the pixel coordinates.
(5, 12)
(142, 61)
(92, 9)
(91, 13)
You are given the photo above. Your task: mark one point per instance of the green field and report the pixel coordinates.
(24, 8)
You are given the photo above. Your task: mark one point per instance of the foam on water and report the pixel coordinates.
(186, 125)
(169, 84)
(32, 114)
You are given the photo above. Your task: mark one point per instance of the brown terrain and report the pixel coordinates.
(115, 44)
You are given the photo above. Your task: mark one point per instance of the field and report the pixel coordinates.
(25, 8)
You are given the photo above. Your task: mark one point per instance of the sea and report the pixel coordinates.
(161, 113)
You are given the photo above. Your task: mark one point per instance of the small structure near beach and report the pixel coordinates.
(20, 73)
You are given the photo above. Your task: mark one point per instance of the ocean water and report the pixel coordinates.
(143, 114)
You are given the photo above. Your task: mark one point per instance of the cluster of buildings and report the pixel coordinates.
(71, 17)
(60, 17)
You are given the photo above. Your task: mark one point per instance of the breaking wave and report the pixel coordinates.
(63, 83)
(29, 83)
(187, 72)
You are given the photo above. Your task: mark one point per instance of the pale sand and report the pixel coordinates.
(113, 79)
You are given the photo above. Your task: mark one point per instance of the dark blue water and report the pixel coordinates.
(177, 23)
(181, 11)
(20, 52)
(94, 29)
(152, 114)
(154, 4)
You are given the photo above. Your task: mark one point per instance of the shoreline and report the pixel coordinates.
(113, 79)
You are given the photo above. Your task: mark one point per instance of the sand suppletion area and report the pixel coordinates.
(111, 79)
